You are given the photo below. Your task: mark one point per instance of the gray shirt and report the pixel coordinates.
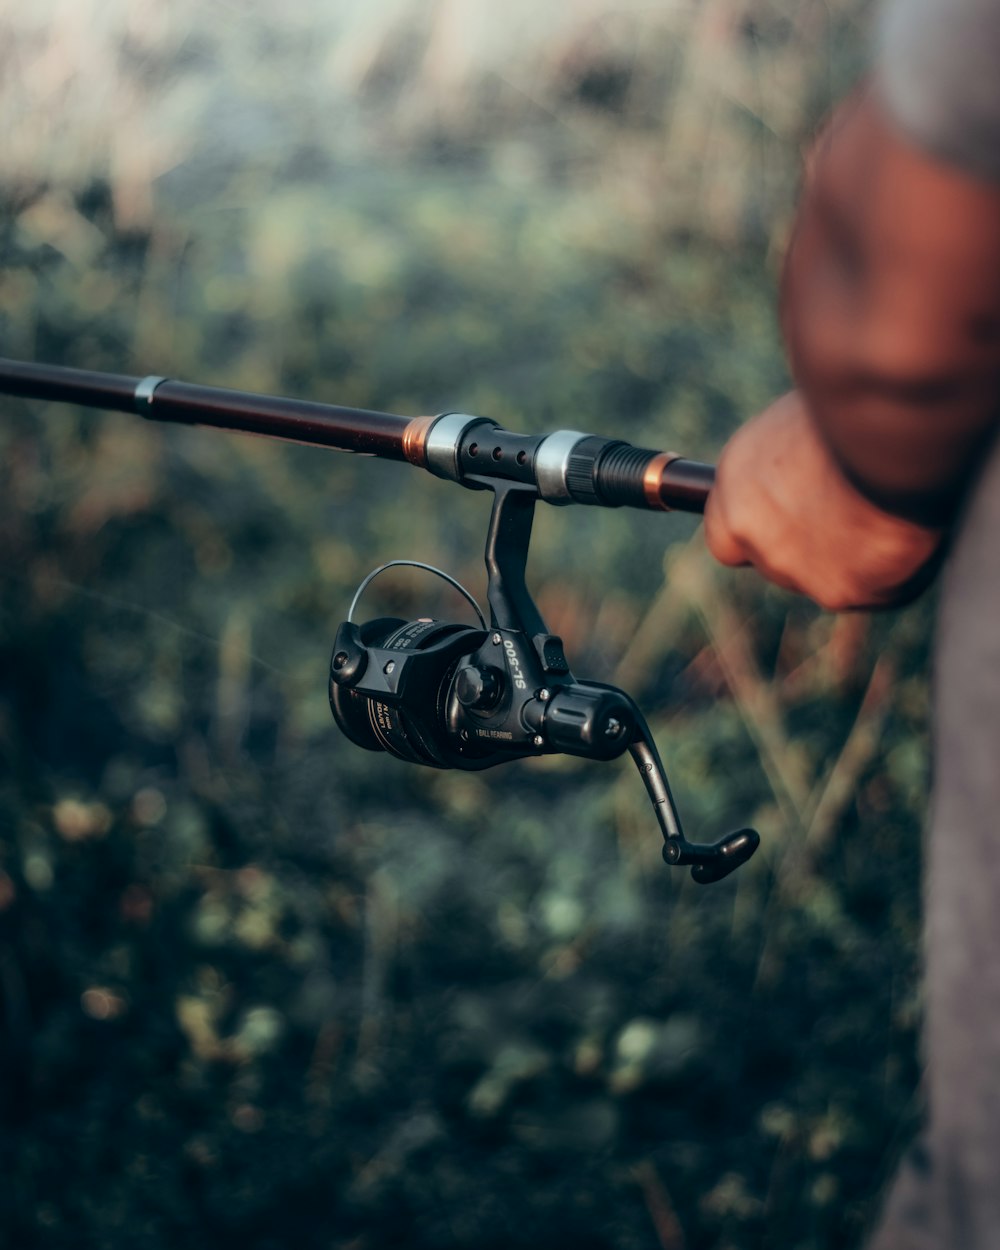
(940, 75)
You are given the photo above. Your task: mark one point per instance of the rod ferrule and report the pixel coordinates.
(652, 479)
(143, 397)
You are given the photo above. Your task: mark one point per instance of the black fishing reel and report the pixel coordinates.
(457, 696)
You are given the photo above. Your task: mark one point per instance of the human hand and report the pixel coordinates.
(782, 504)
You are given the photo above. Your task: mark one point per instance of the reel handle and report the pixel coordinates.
(710, 861)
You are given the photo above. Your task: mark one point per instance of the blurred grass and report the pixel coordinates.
(258, 985)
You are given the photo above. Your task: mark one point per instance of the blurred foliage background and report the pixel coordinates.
(258, 987)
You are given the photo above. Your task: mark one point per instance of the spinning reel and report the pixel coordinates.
(457, 696)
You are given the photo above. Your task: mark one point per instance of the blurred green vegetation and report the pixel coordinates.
(259, 987)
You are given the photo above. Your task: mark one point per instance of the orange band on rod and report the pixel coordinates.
(415, 440)
(652, 479)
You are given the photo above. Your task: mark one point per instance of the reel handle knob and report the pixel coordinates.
(712, 861)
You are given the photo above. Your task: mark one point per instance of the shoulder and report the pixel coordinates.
(938, 73)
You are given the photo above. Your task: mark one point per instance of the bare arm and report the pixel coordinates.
(845, 489)
(891, 311)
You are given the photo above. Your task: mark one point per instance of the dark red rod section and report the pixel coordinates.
(684, 485)
(297, 420)
(68, 386)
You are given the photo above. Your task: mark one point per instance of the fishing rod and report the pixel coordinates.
(564, 467)
(442, 693)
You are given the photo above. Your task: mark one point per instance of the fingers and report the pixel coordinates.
(722, 542)
(728, 549)
(761, 511)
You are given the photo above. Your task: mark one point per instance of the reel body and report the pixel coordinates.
(456, 696)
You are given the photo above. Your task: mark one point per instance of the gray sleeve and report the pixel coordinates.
(939, 66)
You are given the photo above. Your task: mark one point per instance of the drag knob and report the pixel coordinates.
(477, 688)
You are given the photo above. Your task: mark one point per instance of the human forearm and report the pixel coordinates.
(891, 312)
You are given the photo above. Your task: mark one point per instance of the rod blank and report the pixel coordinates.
(635, 477)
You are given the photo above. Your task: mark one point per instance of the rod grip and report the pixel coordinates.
(684, 485)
